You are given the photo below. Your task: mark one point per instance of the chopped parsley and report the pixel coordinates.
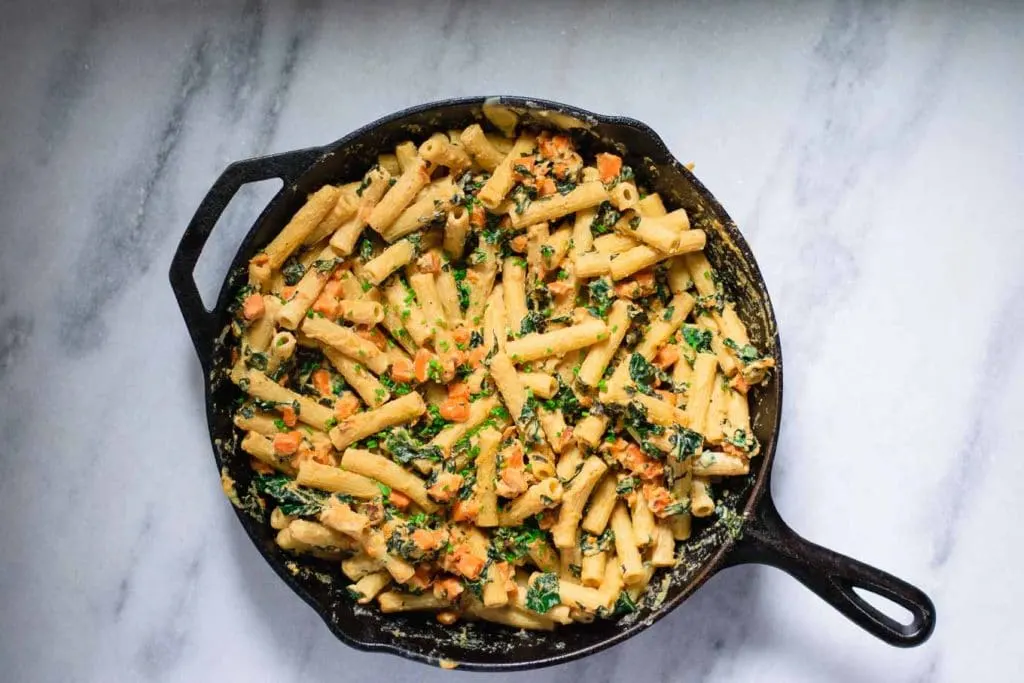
(459, 274)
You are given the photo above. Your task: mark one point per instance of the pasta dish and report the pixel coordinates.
(492, 379)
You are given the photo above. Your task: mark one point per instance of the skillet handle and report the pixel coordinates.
(767, 539)
(200, 321)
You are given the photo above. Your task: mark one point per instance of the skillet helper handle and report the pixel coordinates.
(200, 321)
(767, 539)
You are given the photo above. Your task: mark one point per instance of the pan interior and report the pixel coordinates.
(481, 644)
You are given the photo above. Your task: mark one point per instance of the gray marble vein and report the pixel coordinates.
(871, 153)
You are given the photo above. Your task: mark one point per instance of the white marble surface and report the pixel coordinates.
(874, 157)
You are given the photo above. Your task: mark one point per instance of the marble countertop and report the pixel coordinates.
(873, 156)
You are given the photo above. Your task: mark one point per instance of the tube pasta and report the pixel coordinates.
(390, 260)
(540, 384)
(656, 232)
(590, 429)
(480, 148)
(539, 497)
(542, 345)
(257, 337)
(308, 289)
(614, 243)
(394, 201)
(600, 354)
(602, 502)
(439, 151)
(436, 200)
(262, 449)
(299, 227)
(716, 464)
(258, 385)
(512, 616)
(405, 154)
(344, 210)
(375, 184)
(456, 229)
(556, 248)
(369, 388)
(701, 385)
(401, 301)
(389, 473)
(537, 236)
(624, 196)
(336, 480)
(366, 313)
(514, 289)
(486, 471)
(347, 342)
(626, 551)
(593, 265)
(481, 276)
(583, 196)
(448, 291)
(501, 180)
(643, 521)
(389, 162)
(495, 319)
(574, 498)
(362, 425)
(367, 588)
(701, 503)
(593, 568)
(651, 205)
(479, 410)
(643, 256)
(395, 601)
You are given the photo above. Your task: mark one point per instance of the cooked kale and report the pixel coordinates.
(746, 353)
(431, 423)
(601, 297)
(291, 498)
(592, 545)
(292, 272)
(643, 373)
(685, 443)
(699, 338)
(640, 428)
(565, 399)
(543, 593)
(512, 544)
(404, 447)
(606, 217)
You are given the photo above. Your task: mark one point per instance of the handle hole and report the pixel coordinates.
(233, 224)
(889, 608)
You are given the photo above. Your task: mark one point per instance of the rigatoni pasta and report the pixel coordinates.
(511, 399)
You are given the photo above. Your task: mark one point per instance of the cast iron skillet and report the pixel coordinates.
(750, 530)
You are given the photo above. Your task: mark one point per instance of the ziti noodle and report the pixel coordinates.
(474, 406)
